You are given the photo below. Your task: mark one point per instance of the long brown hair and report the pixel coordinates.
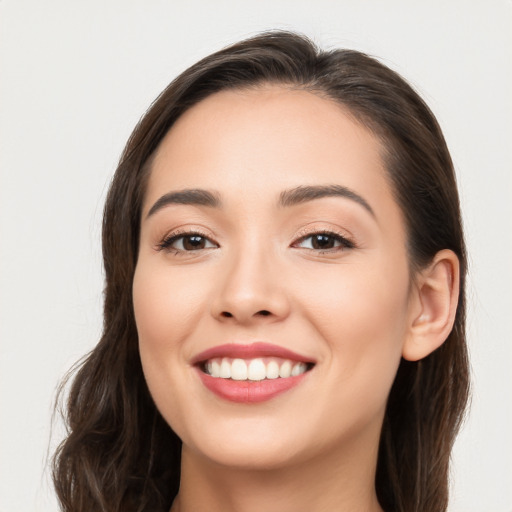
(120, 455)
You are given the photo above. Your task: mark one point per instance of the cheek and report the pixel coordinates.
(165, 305)
(361, 313)
(164, 319)
(358, 299)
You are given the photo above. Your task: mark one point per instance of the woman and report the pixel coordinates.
(284, 302)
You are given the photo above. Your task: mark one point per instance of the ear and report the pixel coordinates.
(433, 306)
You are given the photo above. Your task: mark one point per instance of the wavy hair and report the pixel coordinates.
(119, 454)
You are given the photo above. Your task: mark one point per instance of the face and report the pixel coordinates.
(272, 289)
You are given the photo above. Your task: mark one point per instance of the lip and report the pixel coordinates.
(251, 351)
(249, 391)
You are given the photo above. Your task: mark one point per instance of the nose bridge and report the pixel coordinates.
(249, 288)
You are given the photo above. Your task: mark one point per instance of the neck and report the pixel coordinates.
(342, 480)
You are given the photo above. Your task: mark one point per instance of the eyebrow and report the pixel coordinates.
(287, 198)
(307, 193)
(193, 196)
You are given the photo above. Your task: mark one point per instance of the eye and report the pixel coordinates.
(187, 242)
(324, 241)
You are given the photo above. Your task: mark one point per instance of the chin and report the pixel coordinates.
(249, 458)
(254, 447)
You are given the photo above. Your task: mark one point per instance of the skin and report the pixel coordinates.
(353, 310)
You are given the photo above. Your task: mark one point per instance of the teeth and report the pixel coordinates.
(254, 369)
(225, 369)
(213, 368)
(238, 370)
(285, 370)
(272, 370)
(298, 368)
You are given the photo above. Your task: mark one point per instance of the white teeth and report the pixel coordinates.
(238, 369)
(272, 370)
(215, 369)
(298, 368)
(286, 370)
(254, 369)
(225, 369)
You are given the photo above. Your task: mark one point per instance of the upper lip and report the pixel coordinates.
(249, 351)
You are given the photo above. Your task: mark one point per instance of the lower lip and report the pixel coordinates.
(247, 391)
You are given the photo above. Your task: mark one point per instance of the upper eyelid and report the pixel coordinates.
(320, 232)
(301, 235)
(305, 232)
(178, 232)
(191, 232)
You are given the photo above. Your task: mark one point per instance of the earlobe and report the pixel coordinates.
(434, 305)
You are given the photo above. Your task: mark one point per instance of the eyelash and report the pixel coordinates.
(171, 238)
(344, 242)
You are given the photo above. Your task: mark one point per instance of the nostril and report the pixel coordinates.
(263, 312)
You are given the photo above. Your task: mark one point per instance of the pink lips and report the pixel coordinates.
(251, 351)
(248, 391)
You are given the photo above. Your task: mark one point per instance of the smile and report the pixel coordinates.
(250, 373)
(254, 369)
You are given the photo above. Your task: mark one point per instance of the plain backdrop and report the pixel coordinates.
(75, 78)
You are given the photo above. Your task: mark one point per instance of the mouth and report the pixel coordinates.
(251, 373)
(256, 369)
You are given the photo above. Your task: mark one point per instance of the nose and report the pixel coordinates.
(250, 291)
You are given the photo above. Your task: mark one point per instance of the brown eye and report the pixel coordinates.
(324, 242)
(187, 243)
(193, 242)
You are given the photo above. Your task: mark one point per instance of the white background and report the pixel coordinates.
(75, 78)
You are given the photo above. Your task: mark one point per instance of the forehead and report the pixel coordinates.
(257, 142)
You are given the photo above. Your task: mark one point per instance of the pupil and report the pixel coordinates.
(323, 242)
(191, 243)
